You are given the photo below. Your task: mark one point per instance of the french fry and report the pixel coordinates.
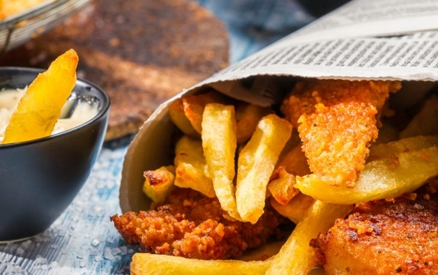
(247, 117)
(159, 183)
(256, 163)
(295, 209)
(219, 143)
(425, 122)
(191, 167)
(194, 106)
(155, 264)
(40, 107)
(384, 178)
(296, 256)
(383, 150)
(178, 117)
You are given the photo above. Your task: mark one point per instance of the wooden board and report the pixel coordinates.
(141, 52)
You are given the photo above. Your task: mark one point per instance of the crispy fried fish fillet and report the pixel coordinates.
(383, 237)
(337, 122)
(193, 226)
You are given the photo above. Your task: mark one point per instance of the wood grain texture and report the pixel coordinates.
(141, 52)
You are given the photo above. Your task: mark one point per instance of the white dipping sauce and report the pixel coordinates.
(9, 100)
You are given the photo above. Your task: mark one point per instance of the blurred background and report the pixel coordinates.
(254, 24)
(142, 52)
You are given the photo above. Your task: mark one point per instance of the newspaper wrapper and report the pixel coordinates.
(365, 39)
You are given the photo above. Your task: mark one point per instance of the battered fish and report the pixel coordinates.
(383, 237)
(192, 226)
(337, 122)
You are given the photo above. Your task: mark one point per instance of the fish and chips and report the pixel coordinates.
(316, 169)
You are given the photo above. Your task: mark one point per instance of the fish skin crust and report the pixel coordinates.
(382, 237)
(337, 122)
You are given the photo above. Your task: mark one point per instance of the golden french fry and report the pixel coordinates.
(256, 163)
(296, 209)
(156, 264)
(247, 117)
(159, 183)
(382, 150)
(191, 167)
(219, 143)
(178, 117)
(425, 122)
(281, 185)
(40, 107)
(190, 176)
(296, 256)
(194, 106)
(384, 178)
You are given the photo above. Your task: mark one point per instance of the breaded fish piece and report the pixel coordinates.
(192, 226)
(337, 122)
(383, 237)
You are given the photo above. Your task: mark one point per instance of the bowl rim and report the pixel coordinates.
(106, 103)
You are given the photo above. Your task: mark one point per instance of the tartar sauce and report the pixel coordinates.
(9, 100)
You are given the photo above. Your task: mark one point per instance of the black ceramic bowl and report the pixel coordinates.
(40, 178)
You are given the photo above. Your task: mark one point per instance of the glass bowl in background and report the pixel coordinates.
(20, 28)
